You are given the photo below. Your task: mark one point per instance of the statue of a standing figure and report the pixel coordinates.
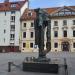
(41, 22)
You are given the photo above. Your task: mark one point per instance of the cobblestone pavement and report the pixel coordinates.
(18, 58)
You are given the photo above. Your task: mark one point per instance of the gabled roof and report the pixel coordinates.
(6, 6)
(48, 10)
(25, 15)
(65, 7)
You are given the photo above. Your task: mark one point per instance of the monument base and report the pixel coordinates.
(40, 67)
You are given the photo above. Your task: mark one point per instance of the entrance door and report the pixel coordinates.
(65, 46)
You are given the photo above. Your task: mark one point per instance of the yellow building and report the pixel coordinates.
(27, 32)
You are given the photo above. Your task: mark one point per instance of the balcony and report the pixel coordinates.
(12, 41)
(12, 32)
(12, 29)
(55, 28)
(12, 22)
(73, 27)
(65, 27)
(11, 44)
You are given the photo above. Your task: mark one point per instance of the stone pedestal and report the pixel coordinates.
(38, 65)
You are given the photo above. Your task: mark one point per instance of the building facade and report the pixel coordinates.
(62, 29)
(27, 38)
(10, 13)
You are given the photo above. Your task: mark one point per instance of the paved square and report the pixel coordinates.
(18, 58)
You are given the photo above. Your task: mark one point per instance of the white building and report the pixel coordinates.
(10, 13)
(62, 29)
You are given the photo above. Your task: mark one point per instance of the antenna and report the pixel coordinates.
(28, 3)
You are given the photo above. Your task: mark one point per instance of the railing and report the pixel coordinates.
(10, 64)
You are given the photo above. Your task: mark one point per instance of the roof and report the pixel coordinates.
(8, 6)
(53, 10)
(25, 15)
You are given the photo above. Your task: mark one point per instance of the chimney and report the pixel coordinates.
(6, 1)
(28, 3)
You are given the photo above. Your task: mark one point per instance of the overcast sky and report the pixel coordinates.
(48, 3)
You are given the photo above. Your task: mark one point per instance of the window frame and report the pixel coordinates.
(73, 22)
(64, 22)
(55, 33)
(31, 45)
(55, 23)
(65, 34)
(32, 34)
(24, 45)
(55, 45)
(24, 25)
(24, 34)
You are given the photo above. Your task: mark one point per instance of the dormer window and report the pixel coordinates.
(13, 5)
(29, 14)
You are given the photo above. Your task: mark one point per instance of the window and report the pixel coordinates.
(4, 40)
(24, 25)
(55, 45)
(65, 33)
(13, 5)
(32, 24)
(73, 33)
(4, 31)
(64, 22)
(24, 45)
(5, 13)
(55, 33)
(12, 12)
(24, 34)
(12, 18)
(55, 23)
(12, 27)
(11, 43)
(73, 22)
(31, 45)
(12, 36)
(29, 14)
(31, 34)
(74, 45)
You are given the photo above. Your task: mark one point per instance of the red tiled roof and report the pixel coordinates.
(49, 11)
(25, 15)
(6, 6)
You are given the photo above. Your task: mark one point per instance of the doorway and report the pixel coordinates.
(65, 46)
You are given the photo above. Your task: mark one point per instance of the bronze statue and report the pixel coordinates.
(41, 22)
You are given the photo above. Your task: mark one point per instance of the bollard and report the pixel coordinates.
(65, 66)
(27, 59)
(9, 66)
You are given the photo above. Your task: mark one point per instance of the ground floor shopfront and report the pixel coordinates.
(64, 44)
(57, 45)
(9, 49)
